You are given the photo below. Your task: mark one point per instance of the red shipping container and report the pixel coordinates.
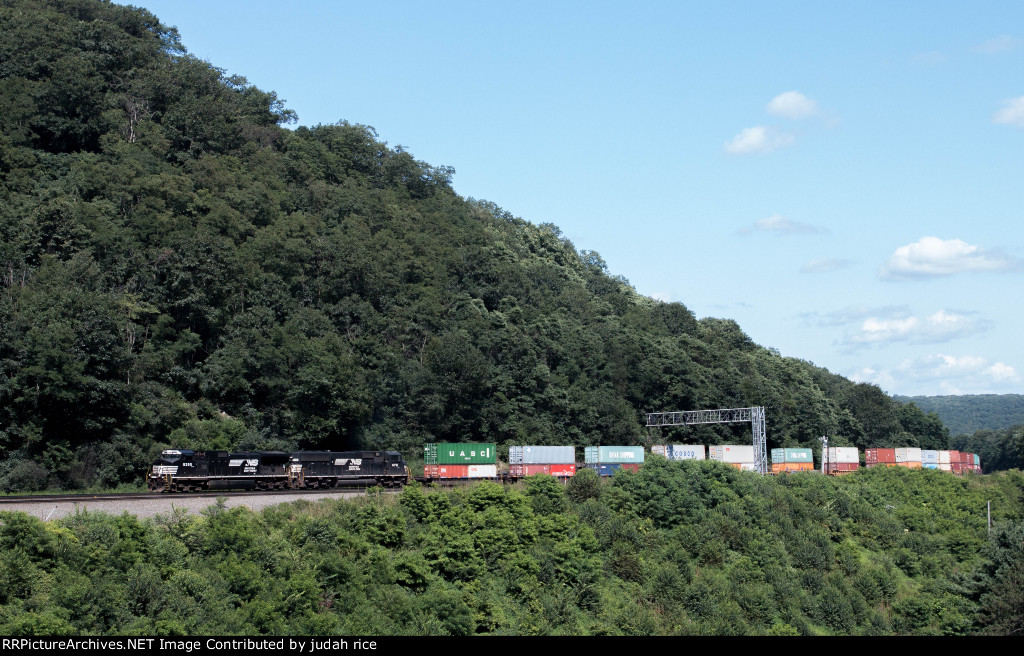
(537, 469)
(879, 456)
(630, 466)
(445, 471)
(842, 467)
(563, 470)
(954, 457)
(967, 458)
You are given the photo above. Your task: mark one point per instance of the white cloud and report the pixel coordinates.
(792, 104)
(758, 139)
(942, 326)
(932, 257)
(664, 297)
(942, 373)
(1011, 114)
(825, 264)
(999, 44)
(883, 379)
(780, 225)
(851, 315)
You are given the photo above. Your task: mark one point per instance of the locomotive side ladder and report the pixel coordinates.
(754, 415)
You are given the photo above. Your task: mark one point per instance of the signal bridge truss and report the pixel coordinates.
(722, 416)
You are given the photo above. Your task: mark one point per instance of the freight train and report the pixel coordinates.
(187, 470)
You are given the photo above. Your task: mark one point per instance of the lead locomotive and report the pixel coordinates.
(186, 470)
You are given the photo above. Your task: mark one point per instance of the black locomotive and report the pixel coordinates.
(186, 470)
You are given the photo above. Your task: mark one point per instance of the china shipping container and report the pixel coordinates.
(541, 455)
(732, 453)
(613, 454)
(782, 456)
(680, 451)
(458, 453)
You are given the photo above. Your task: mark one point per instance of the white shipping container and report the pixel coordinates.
(945, 466)
(733, 453)
(747, 466)
(846, 455)
(685, 452)
(908, 454)
(929, 457)
(483, 471)
(541, 455)
(944, 458)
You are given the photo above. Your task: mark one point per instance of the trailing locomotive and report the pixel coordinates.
(188, 471)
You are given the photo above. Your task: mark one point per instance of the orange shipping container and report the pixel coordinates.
(778, 468)
(909, 465)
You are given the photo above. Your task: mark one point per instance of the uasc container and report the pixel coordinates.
(458, 453)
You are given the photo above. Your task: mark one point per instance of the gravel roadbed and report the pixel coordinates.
(163, 504)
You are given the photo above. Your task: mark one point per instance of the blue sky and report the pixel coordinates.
(843, 180)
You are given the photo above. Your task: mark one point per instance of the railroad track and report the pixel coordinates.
(139, 496)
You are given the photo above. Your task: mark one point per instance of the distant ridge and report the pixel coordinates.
(969, 413)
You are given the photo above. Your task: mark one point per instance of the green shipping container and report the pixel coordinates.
(459, 453)
(792, 455)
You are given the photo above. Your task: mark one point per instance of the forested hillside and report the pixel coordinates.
(968, 413)
(177, 267)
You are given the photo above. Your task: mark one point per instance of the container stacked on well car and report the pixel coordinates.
(680, 451)
(841, 460)
(557, 461)
(740, 456)
(457, 460)
(792, 460)
(606, 460)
